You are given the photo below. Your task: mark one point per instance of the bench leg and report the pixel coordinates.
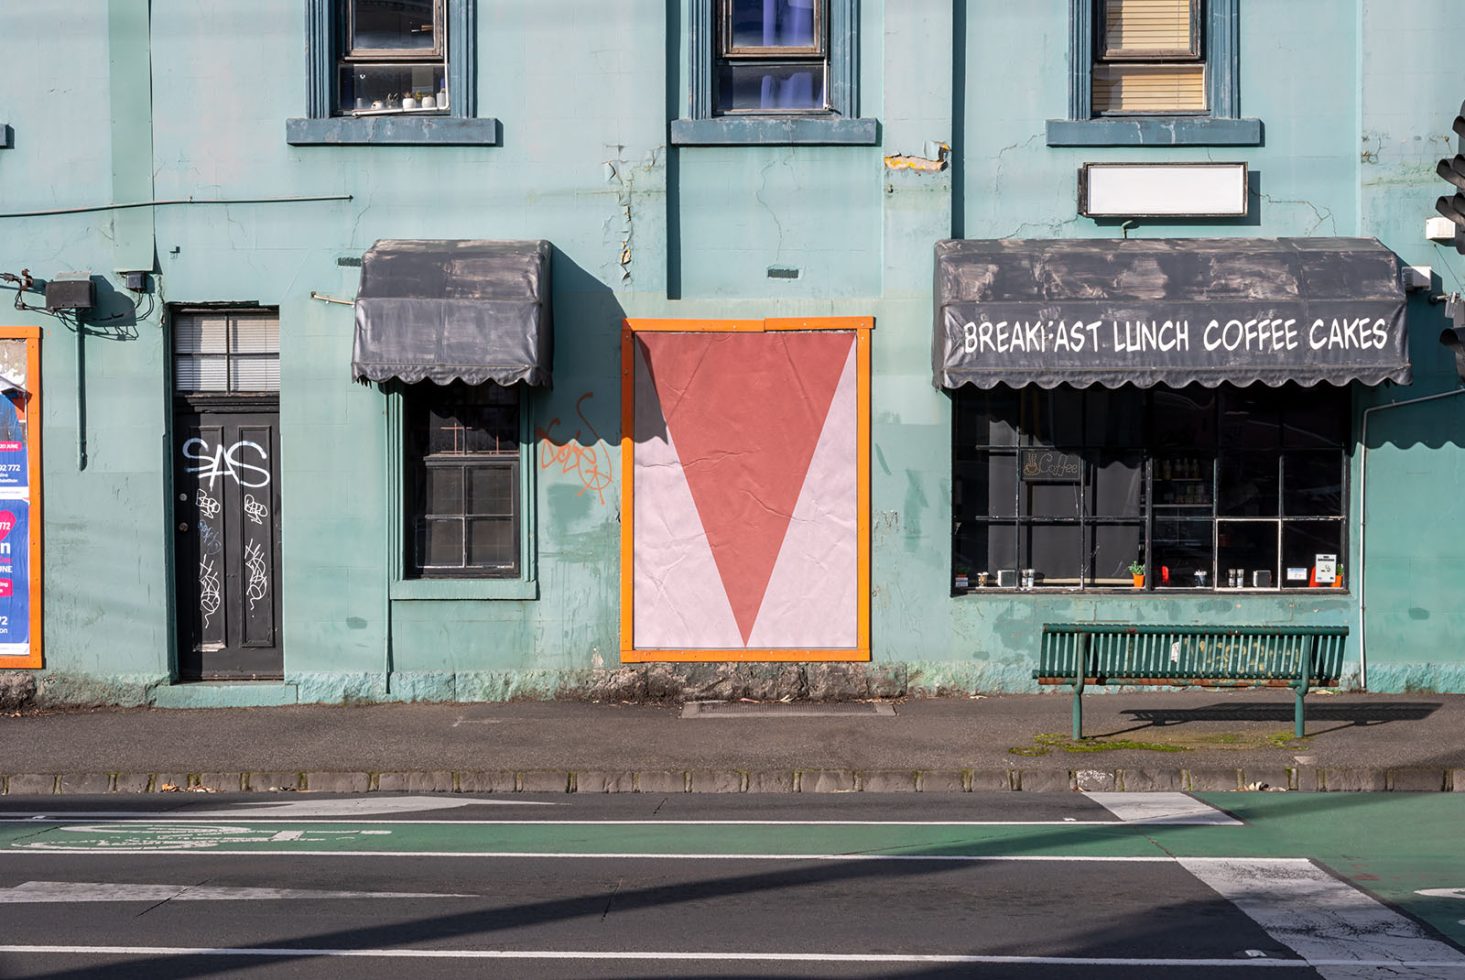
(1299, 723)
(1078, 712)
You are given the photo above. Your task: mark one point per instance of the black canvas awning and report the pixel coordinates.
(1168, 311)
(474, 311)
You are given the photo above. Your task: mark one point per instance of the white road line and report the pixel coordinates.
(101, 851)
(1175, 809)
(1340, 930)
(97, 891)
(675, 957)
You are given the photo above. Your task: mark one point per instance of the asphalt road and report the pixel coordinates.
(1154, 885)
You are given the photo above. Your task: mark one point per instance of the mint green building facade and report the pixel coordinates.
(111, 106)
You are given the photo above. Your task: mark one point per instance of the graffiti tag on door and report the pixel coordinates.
(228, 462)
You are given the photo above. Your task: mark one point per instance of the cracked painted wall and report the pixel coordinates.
(1354, 119)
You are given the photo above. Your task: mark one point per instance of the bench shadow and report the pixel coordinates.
(1350, 714)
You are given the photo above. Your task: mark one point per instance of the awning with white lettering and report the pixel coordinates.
(1168, 311)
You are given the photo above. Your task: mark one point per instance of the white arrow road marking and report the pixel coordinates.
(1163, 808)
(354, 806)
(1340, 930)
(100, 891)
(1442, 892)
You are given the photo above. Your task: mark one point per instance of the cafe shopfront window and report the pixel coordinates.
(1226, 488)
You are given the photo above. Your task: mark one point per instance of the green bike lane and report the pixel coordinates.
(1404, 849)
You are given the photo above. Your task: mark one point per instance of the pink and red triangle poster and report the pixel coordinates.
(746, 490)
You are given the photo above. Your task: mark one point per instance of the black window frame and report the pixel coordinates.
(1164, 471)
(419, 460)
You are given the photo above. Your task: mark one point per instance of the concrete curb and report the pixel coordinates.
(1305, 779)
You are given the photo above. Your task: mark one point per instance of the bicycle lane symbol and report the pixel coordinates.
(185, 837)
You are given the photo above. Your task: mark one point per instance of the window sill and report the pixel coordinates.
(775, 131)
(464, 588)
(1155, 131)
(392, 130)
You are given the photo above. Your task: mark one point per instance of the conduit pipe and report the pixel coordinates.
(87, 209)
(1363, 521)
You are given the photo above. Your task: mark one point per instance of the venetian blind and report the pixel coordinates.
(1149, 88)
(1139, 28)
(226, 351)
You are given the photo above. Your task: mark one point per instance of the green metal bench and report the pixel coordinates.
(1299, 657)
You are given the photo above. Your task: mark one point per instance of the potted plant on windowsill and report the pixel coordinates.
(1137, 570)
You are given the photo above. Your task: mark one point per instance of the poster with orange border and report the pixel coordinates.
(745, 490)
(20, 498)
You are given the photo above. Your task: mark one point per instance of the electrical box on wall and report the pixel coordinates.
(70, 291)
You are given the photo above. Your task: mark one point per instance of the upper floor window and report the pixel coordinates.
(392, 72)
(1149, 57)
(1154, 73)
(773, 71)
(393, 57)
(773, 56)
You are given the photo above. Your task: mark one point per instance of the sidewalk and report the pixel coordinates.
(1200, 740)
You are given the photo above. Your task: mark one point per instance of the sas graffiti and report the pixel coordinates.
(590, 464)
(226, 462)
(259, 581)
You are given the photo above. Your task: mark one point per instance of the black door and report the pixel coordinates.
(227, 519)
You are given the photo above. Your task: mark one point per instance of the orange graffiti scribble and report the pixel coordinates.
(590, 463)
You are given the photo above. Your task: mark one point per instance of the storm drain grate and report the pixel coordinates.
(746, 709)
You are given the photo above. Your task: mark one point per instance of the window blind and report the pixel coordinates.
(1139, 28)
(1149, 88)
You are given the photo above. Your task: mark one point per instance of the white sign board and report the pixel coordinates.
(1140, 190)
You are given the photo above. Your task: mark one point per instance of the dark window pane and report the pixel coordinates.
(1114, 418)
(443, 544)
(762, 86)
(1184, 418)
(1249, 484)
(491, 542)
(1315, 417)
(1245, 548)
(981, 547)
(985, 418)
(1053, 500)
(1251, 417)
(392, 25)
(1118, 486)
(491, 490)
(985, 486)
(1184, 483)
(1304, 543)
(772, 23)
(1114, 547)
(1052, 418)
(1312, 483)
(444, 491)
(368, 88)
(1055, 554)
(1182, 549)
